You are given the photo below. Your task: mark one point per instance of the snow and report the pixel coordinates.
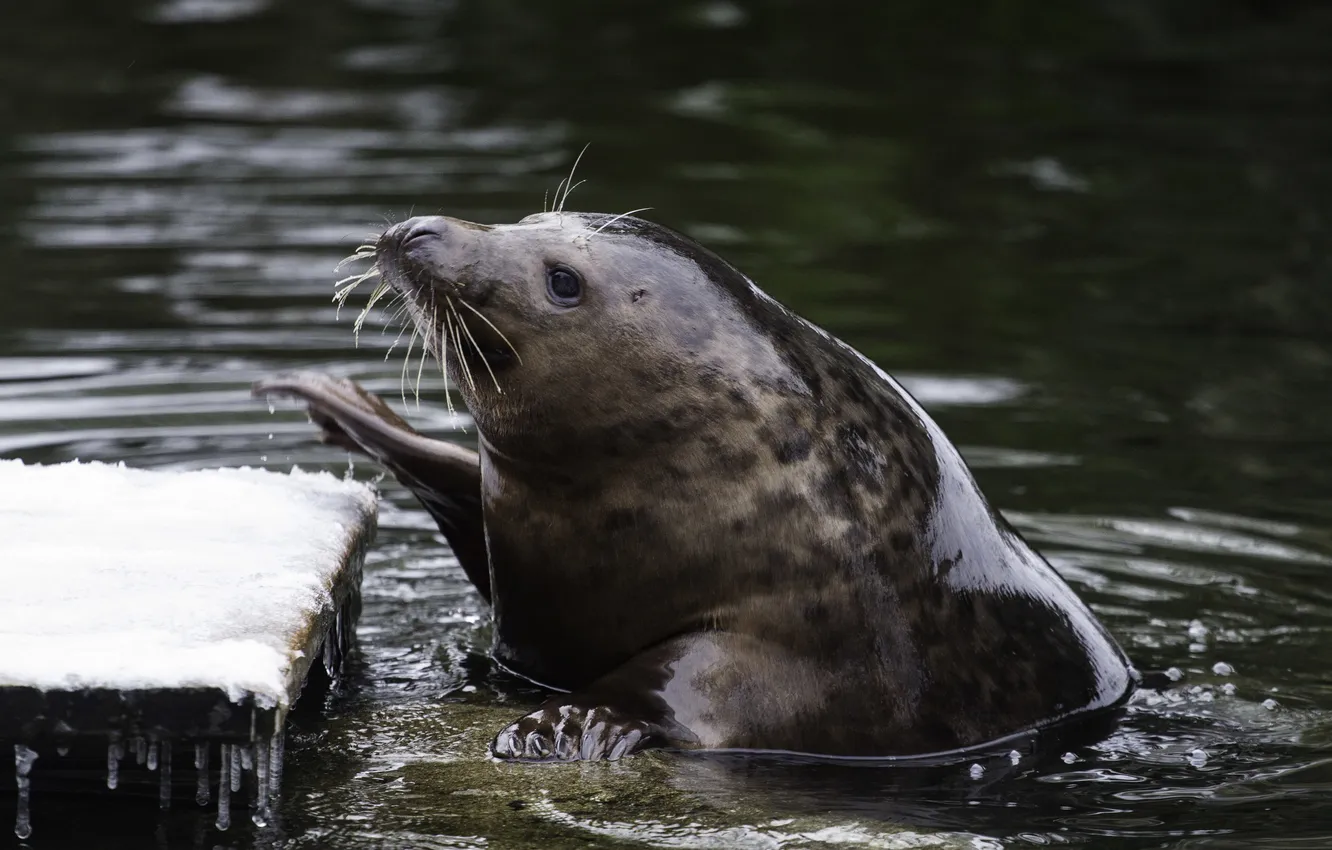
(132, 579)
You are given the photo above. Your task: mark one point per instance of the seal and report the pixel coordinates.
(705, 521)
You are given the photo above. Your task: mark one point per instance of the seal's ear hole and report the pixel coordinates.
(564, 286)
(639, 293)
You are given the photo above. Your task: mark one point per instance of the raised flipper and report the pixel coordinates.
(446, 478)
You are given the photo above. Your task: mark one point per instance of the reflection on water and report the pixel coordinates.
(1090, 237)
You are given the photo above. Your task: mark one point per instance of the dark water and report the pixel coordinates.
(1093, 237)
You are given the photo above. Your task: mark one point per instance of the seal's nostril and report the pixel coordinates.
(420, 230)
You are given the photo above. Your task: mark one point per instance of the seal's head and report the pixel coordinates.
(534, 320)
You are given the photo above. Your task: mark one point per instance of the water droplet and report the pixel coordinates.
(1197, 630)
(1270, 704)
(1174, 674)
(1221, 668)
(1069, 758)
(1014, 756)
(469, 689)
(62, 751)
(270, 436)
(1228, 689)
(272, 406)
(977, 771)
(263, 458)
(1198, 758)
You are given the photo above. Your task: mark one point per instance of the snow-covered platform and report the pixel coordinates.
(151, 608)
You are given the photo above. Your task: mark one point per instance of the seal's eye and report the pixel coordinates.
(564, 286)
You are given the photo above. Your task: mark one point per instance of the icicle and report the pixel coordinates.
(335, 646)
(224, 789)
(328, 657)
(247, 758)
(114, 753)
(236, 767)
(23, 759)
(260, 813)
(164, 799)
(152, 756)
(140, 750)
(276, 749)
(201, 765)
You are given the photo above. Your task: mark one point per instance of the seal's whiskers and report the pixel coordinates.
(344, 287)
(607, 224)
(395, 310)
(462, 361)
(444, 320)
(479, 353)
(402, 329)
(340, 295)
(362, 252)
(397, 339)
(398, 310)
(567, 191)
(495, 329)
(420, 368)
(406, 361)
(441, 351)
(379, 292)
(567, 183)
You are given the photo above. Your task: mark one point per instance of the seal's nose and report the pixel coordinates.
(415, 231)
(422, 229)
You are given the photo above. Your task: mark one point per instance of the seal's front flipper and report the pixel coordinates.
(620, 713)
(680, 693)
(446, 478)
(353, 418)
(699, 690)
(561, 731)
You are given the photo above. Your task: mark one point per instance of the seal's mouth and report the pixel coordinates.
(445, 314)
